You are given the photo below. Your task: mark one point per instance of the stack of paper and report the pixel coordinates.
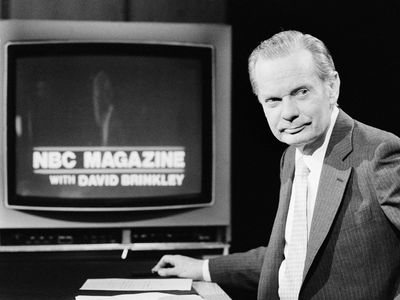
(142, 296)
(135, 285)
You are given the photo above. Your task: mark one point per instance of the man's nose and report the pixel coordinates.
(290, 110)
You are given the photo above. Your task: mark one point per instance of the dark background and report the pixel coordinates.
(361, 35)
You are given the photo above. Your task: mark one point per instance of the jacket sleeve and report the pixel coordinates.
(386, 170)
(239, 270)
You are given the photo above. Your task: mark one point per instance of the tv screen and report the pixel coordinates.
(109, 125)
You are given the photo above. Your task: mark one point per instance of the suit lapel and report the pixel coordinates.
(285, 192)
(332, 184)
(268, 288)
(328, 201)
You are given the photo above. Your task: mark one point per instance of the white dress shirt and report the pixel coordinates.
(314, 162)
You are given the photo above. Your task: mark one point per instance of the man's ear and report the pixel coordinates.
(334, 88)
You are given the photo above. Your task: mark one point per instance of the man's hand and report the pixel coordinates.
(180, 266)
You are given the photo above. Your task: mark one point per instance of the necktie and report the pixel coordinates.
(297, 248)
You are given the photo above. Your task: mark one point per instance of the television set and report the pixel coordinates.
(113, 125)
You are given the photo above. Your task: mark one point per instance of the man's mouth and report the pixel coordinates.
(294, 130)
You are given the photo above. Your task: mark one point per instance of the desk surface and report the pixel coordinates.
(51, 279)
(207, 290)
(210, 291)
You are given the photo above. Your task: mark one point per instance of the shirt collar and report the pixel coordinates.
(315, 160)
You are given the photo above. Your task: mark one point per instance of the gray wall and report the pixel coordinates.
(197, 11)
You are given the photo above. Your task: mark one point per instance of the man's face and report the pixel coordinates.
(296, 102)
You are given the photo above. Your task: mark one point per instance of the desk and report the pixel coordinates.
(210, 291)
(60, 279)
(207, 290)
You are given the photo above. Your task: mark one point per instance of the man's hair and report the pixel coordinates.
(285, 43)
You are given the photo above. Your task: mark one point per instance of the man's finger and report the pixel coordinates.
(166, 272)
(163, 262)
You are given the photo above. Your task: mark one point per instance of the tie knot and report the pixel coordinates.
(301, 168)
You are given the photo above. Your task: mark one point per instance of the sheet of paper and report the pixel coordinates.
(141, 296)
(122, 284)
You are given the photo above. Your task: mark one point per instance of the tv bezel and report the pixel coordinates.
(170, 49)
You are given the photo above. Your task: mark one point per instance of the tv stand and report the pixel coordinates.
(210, 239)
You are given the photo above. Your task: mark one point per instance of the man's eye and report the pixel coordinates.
(272, 101)
(302, 92)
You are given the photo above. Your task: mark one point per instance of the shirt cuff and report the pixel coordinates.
(206, 271)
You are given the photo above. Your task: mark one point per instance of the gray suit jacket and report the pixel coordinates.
(354, 243)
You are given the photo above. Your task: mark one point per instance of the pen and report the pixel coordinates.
(124, 253)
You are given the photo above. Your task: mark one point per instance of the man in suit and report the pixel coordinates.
(351, 248)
